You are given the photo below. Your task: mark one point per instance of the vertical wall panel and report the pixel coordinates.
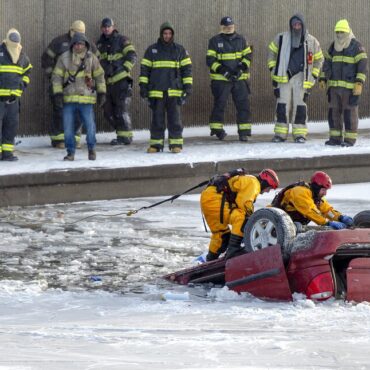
(195, 21)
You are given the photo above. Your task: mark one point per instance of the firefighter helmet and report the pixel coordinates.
(322, 179)
(270, 177)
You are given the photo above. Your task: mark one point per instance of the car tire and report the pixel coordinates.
(269, 226)
(362, 219)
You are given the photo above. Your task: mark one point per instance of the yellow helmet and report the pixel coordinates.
(78, 26)
(342, 26)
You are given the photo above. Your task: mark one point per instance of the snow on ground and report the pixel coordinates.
(36, 154)
(86, 294)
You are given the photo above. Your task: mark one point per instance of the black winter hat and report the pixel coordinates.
(226, 21)
(79, 37)
(107, 22)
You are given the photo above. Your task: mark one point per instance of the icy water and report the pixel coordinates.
(86, 293)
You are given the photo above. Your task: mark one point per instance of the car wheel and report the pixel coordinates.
(266, 227)
(362, 219)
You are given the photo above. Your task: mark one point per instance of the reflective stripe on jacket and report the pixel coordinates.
(231, 51)
(300, 199)
(78, 91)
(165, 67)
(344, 68)
(278, 63)
(117, 56)
(13, 77)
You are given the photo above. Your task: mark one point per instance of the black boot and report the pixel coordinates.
(9, 156)
(211, 256)
(234, 248)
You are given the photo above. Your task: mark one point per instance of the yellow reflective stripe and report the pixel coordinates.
(114, 57)
(246, 61)
(156, 142)
(9, 92)
(187, 80)
(315, 72)
(117, 77)
(335, 133)
(185, 62)
(322, 74)
(216, 125)
(124, 133)
(211, 53)
(280, 79)
(360, 56)
(340, 83)
(98, 72)
(58, 71)
(101, 87)
(214, 66)
(11, 69)
(300, 131)
(155, 94)
(50, 53)
(350, 135)
(219, 77)
(128, 65)
(273, 47)
(146, 62)
(361, 76)
(327, 55)
(81, 99)
(343, 59)
(244, 126)
(308, 84)
(59, 137)
(319, 55)
(246, 51)
(281, 129)
(8, 147)
(26, 79)
(143, 79)
(174, 92)
(271, 64)
(166, 64)
(27, 68)
(175, 141)
(230, 56)
(57, 88)
(127, 49)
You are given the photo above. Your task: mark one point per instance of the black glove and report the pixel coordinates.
(277, 92)
(236, 74)
(305, 96)
(188, 89)
(102, 98)
(58, 100)
(225, 71)
(143, 91)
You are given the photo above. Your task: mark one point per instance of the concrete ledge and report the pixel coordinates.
(103, 183)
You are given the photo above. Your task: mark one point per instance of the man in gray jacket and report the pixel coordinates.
(295, 59)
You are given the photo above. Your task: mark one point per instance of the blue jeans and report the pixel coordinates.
(86, 112)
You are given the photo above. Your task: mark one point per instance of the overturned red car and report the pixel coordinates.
(317, 262)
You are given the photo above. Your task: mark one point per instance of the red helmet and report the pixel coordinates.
(322, 179)
(270, 177)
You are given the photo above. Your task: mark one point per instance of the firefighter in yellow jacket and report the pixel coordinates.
(228, 200)
(305, 202)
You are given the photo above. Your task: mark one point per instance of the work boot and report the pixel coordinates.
(221, 134)
(211, 256)
(234, 247)
(121, 141)
(346, 144)
(69, 157)
(175, 149)
(9, 156)
(300, 140)
(243, 137)
(277, 139)
(333, 142)
(92, 155)
(59, 145)
(153, 149)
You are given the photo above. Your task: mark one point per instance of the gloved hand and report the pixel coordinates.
(346, 220)
(322, 84)
(58, 100)
(102, 98)
(225, 71)
(357, 89)
(336, 225)
(188, 89)
(182, 100)
(277, 93)
(236, 74)
(143, 91)
(306, 96)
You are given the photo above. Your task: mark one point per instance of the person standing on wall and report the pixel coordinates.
(117, 57)
(295, 59)
(14, 70)
(229, 58)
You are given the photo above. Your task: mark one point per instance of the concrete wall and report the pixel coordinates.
(195, 22)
